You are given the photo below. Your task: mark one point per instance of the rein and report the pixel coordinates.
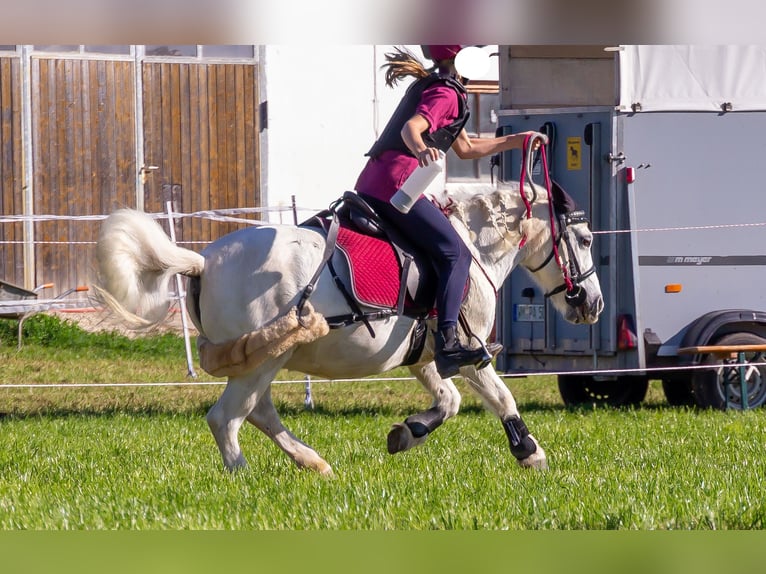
(484, 272)
(575, 295)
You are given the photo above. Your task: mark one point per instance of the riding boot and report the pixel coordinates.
(451, 355)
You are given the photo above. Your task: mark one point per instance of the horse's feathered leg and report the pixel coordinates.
(498, 399)
(265, 417)
(415, 429)
(241, 395)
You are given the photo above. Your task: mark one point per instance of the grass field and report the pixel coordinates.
(143, 458)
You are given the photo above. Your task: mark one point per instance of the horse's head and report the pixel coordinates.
(563, 264)
(494, 220)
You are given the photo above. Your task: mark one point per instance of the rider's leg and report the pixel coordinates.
(426, 226)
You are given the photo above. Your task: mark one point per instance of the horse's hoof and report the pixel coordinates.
(537, 460)
(326, 472)
(399, 438)
(239, 464)
(540, 464)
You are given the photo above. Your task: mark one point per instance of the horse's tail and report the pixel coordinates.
(136, 259)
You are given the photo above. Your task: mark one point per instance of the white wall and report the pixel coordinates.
(326, 106)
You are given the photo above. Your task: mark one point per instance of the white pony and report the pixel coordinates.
(244, 289)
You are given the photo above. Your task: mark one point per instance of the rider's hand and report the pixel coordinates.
(541, 139)
(428, 155)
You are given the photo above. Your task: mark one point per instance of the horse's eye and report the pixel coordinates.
(586, 242)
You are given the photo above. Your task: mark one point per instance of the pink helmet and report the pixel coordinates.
(440, 52)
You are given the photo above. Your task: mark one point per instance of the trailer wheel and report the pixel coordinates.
(710, 385)
(678, 391)
(583, 389)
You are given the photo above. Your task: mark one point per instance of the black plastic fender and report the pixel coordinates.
(713, 325)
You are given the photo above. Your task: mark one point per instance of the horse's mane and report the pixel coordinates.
(501, 207)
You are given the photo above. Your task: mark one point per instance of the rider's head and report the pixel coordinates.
(462, 61)
(442, 55)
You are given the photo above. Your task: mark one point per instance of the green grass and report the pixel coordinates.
(143, 458)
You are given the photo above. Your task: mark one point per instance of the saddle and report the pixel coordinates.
(377, 270)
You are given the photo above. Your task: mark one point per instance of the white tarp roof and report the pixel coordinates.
(693, 78)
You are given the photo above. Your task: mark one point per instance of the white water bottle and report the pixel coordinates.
(406, 196)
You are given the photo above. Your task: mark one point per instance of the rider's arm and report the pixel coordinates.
(413, 139)
(466, 147)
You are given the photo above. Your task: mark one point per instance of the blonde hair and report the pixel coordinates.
(400, 64)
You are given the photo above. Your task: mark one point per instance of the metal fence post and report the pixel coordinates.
(180, 293)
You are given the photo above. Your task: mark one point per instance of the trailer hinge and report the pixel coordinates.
(619, 158)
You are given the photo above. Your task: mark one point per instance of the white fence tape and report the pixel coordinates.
(605, 373)
(228, 216)
(688, 228)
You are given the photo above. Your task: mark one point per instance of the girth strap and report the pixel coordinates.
(329, 248)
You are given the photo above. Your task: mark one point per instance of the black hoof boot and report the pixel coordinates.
(414, 430)
(522, 445)
(451, 355)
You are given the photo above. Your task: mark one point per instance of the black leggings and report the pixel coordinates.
(430, 230)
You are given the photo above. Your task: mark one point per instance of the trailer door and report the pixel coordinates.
(532, 332)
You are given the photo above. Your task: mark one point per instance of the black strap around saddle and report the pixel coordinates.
(352, 211)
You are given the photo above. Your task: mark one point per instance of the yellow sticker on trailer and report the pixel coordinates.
(574, 153)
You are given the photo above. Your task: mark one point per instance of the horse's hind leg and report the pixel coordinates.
(415, 429)
(265, 417)
(498, 398)
(237, 401)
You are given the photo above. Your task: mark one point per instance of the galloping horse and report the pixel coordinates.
(245, 288)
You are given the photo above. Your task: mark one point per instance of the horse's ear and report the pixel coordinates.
(562, 201)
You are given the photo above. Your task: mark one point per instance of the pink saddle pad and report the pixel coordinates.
(374, 268)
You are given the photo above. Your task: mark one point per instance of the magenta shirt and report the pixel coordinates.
(382, 176)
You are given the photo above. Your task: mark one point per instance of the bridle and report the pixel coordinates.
(575, 295)
(573, 275)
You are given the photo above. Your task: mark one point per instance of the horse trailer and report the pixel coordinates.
(663, 148)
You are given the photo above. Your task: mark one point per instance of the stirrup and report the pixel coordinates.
(487, 355)
(485, 361)
(489, 352)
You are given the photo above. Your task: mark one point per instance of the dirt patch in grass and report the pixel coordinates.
(102, 320)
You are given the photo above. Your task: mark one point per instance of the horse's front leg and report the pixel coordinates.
(498, 398)
(415, 429)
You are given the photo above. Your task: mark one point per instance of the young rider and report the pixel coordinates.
(430, 119)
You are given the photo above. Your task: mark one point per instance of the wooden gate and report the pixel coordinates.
(94, 124)
(84, 157)
(201, 135)
(11, 172)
